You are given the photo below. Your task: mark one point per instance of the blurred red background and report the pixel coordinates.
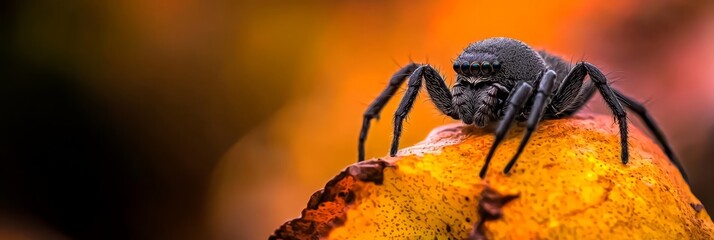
(217, 119)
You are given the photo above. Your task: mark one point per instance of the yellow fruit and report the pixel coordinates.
(569, 183)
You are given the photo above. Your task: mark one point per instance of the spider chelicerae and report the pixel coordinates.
(503, 79)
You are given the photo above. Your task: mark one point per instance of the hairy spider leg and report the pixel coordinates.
(600, 81)
(542, 99)
(571, 95)
(641, 111)
(377, 105)
(576, 103)
(514, 104)
(438, 92)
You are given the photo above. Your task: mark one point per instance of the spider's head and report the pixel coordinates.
(500, 60)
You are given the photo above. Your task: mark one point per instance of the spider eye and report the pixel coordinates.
(465, 67)
(457, 67)
(496, 66)
(474, 68)
(486, 68)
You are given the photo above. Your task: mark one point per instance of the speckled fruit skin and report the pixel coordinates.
(570, 184)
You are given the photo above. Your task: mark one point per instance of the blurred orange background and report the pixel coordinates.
(217, 119)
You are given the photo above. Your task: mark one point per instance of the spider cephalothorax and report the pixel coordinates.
(502, 79)
(487, 70)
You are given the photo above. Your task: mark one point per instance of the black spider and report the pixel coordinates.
(496, 79)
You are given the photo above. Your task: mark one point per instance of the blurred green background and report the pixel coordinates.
(190, 119)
